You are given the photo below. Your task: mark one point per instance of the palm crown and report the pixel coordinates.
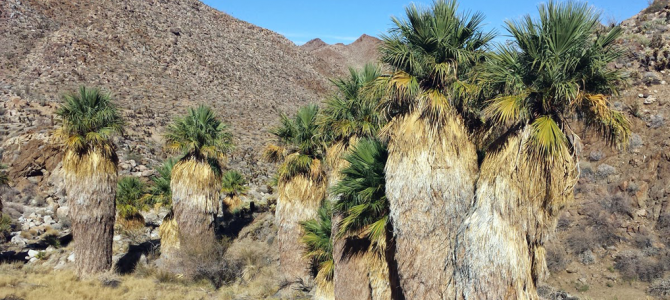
(233, 183)
(199, 134)
(349, 113)
(431, 52)
(89, 120)
(298, 146)
(362, 188)
(557, 68)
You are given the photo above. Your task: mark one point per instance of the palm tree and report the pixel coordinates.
(203, 141)
(365, 210)
(4, 180)
(301, 182)
(233, 185)
(130, 198)
(432, 163)
(555, 71)
(319, 250)
(160, 190)
(349, 115)
(89, 121)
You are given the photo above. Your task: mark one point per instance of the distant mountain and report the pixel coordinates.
(341, 56)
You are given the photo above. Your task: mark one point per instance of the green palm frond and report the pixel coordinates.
(351, 112)
(556, 68)
(299, 150)
(318, 242)
(130, 193)
(233, 183)
(160, 190)
(362, 192)
(89, 120)
(431, 50)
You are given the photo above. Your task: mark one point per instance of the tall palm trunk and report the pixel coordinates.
(500, 247)
(299, 200)
(90, 182)
(430, 179)
(350, 275)
(195, 201)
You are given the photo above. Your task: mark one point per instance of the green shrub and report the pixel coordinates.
(5, 227)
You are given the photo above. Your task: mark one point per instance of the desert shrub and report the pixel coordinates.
(563, 223)
(556, 259)
(656, 6)
(580, 240)
(50, 237)
(618, 204)
(634, 266)
(660, 288)
(5, 227)
(202, 260)
(663, 227)
(130, 193)
(603, 229)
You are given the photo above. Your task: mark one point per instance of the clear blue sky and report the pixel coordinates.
(345, 20)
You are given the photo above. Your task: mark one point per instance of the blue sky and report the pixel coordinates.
(345, 20)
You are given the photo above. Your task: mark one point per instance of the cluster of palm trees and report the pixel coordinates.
(439, 175)
(192, 183)
(448, 170)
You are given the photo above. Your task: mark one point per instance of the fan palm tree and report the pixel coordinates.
(160, 189)
(233, 185)
(89, 121)
(4, 180)
(319, 250)
(365, 212)
(555, 72)
(203, 141)
(348, 115)
(301, 182)
(432, 163)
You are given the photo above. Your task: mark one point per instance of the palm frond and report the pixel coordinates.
(318, 242)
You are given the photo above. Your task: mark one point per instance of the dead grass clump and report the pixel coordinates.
(634, 266)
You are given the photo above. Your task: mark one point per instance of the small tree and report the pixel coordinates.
(233, 185)
(319, 250)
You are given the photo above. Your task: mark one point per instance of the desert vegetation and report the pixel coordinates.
(439, 172)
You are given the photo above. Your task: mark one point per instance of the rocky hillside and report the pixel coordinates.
(356, 54)
(157, 57)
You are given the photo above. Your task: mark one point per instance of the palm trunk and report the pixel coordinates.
(500, 251)
(299, 200)
(350, 276)
(430, 179)
(195, 201)
(90, 182)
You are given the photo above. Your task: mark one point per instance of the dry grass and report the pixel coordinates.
(252, 262)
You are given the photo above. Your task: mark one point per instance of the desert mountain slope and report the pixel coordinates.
(159, 56)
